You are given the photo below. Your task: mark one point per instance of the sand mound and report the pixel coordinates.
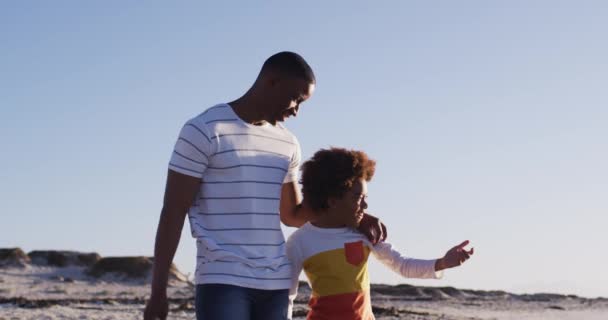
(543, 297)
(436, 293)
(132, 267)
(410, 292)
(13, 257)
(403, 290)
(63, 258)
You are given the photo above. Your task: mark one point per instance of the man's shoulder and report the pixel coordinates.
(281, 133)
(287, 132)
(214, 113)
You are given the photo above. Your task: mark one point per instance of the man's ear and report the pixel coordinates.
(272, 78)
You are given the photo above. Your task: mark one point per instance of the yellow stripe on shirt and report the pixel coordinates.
(330, 273)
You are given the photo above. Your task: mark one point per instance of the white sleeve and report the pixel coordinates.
(294, 164)
(295, 258)
(407, 267)
(192, 150)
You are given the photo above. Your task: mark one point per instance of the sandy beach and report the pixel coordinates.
(37, 289)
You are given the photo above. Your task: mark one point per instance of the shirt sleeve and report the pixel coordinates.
(295, 257)
(294, 164)
(407, 267)
(192, 150)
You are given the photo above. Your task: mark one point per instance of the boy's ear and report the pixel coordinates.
(331, 202)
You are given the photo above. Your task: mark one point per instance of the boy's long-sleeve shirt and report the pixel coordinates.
(335, 263)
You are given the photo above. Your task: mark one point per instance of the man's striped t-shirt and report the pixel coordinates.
(235, 217)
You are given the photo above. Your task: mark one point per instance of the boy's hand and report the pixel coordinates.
(454, 257)
(372, 228)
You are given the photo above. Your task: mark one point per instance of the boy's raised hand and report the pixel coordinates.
(454, 257)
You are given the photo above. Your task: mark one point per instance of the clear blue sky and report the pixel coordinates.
(488, 119)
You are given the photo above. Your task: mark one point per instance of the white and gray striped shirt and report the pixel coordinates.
(235, 217)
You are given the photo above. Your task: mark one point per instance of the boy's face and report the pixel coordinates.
(350, 208)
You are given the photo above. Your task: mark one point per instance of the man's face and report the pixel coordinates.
(350, 208)
(287, 95)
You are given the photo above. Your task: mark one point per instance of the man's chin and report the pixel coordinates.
(277, 121)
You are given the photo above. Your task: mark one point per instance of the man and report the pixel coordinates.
(234, 171)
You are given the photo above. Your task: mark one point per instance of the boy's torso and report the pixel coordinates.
(335, 262)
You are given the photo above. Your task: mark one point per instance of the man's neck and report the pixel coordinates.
(248, 109)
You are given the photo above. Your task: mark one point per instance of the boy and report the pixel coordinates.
(332, 254)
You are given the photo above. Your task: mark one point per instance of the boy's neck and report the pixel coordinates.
(324, 220)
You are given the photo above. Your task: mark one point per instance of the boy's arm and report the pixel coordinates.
(454, 257)
(417, 268)
(407, 267)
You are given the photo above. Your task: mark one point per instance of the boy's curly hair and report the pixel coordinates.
(332, 172)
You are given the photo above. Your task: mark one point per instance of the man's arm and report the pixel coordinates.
(372, 228)
(294, 213)
(180, 192)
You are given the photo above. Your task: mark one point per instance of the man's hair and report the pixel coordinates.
(289, 64)
(331, 173)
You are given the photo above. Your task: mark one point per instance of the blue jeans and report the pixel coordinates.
(228, 302)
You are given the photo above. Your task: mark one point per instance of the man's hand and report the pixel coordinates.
(372, 228)
(180, 193)
(454, 257)
(156, 308)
